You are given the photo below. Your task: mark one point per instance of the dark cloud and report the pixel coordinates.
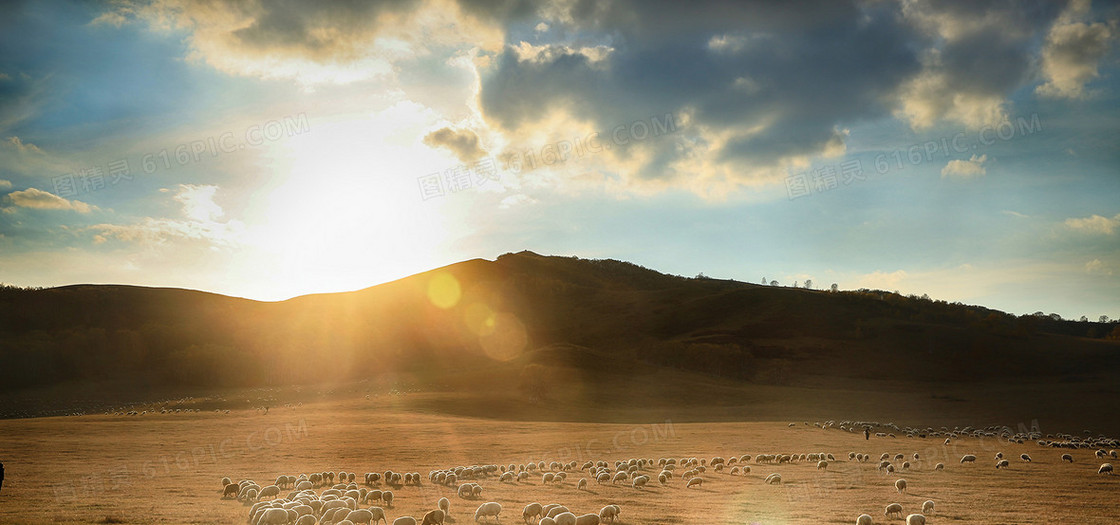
(463, 143)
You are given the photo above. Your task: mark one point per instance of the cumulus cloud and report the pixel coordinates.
(464, 143)
(316, 42)
(973, 167)
(1094, 224)
(1072, 51)
(974, 56)
(5, 184)
(42, 200)
(1097, 267)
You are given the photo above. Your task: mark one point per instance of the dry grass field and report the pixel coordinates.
(166, 468)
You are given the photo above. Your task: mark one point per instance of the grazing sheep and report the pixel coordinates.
(1002, 464)
(927, 507)
(610, 512)
(360, 516)
(532, 510)
(915, 519)
(273, 516)
(864, 519)
(387, 497)
(582, 484)
(939, 466)
(774, 479)
(553, 509)
(433, 517)
(403, 520)
(694, 482)
(640, 482)
(547, 521)
(969, 458)
(307, 519)
(270, 492)
(1067, 457)
(444, 504)
(378, 514)
(230, 491)
(587, 519)
(900, 486)
(1025, 457)
(565, 518)
(489, 509)
(822, 465)
(1106, 468)
(894, 509)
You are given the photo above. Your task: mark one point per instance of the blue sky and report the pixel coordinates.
(965, 150)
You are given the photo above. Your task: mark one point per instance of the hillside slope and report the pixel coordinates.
(520, 325)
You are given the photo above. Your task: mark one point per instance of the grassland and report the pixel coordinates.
(165, 468)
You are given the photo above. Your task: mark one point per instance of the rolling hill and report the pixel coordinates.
(584, 339)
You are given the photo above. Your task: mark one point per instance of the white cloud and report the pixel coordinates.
(879, 280)
(972, 167)
(1071, 53)
(23, 147)
(5, 184)
(42, 200)
(1094, 224)
(201, 222)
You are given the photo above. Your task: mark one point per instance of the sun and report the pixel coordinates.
(345, 210)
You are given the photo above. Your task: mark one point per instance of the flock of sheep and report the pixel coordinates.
(342, 498)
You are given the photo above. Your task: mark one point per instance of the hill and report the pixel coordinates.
(581, 337)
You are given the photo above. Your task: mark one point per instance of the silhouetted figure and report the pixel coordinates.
(866, 432)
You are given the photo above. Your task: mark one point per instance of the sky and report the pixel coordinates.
(968, 150)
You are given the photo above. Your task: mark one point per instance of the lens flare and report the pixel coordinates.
(444, 291)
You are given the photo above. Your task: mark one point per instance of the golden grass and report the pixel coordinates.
(166, 468)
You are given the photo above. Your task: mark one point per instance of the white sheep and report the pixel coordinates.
(822, 465)
(308, 519)
(864, 519)
(900, 486)
(927, 507)
(274, 516)
(403, 520)
(915, 519)
(640, 482)
(490, 509)
(1025, 457)
(1003, 463)
(894, 509)
(565, 518)
(774, 479)
(587, 519)
(532, 510)
(694, 482)
(1106, 468)
(444, 504)
(939, 466)
(968, 458)
(582, 484)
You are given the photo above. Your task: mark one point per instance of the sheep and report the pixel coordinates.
(774, 479)
(230, 491)
(1067, 457)
(587, 519)
(694, 482)
(893, 509)
(433, 517)
(1106, 468)
(969, 458)
(1002, 464)
(939, 466)
(582, 484)
(547, 521)
(532, 510)
(822, 465)
(915, 519)
(1025, 457)
(900, 486)
(226, 481)
(565, 518)
(465, 491)
(487, 510)
(554, 510)
(360, 516)
(308, 519)
(378, 514)
(640, 482)
(610, 512)
(270, 492)
(927, 507)
(444, 504)
(373, 495)
(403, 520)
(864, 519)
(273, 516)
(387, 497)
